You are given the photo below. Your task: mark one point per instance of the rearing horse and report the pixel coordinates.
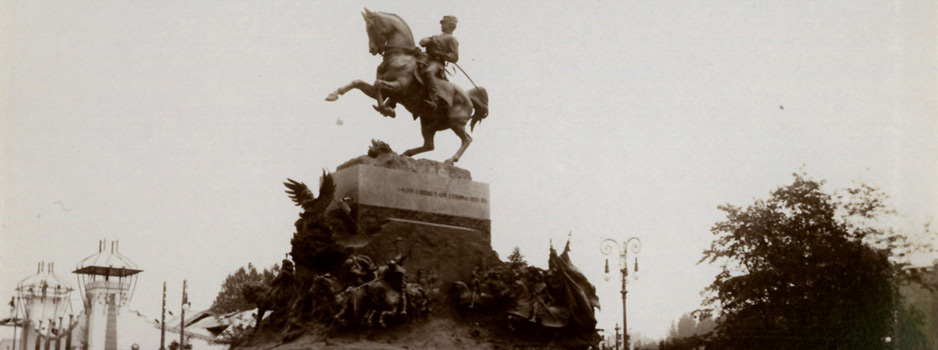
(398, 81)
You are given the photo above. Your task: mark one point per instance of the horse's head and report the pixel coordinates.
(376, 38)
(385, 29)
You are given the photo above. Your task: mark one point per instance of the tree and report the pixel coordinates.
(230, 298)
(805, 269)
(686, 326)
(516, 259)
(686, 333)
(922, 306)
(705, 326)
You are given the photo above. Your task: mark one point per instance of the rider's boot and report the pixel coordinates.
(431, 104)
(441, 106)
(436, 102)
(432, 94)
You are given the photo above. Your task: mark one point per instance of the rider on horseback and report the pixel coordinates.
(397, 81)
(441, 48)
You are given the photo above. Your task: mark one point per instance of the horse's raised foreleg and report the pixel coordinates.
(362, 86)
(380, 107)
(342, 315)
(392, 312)
(403, 303)
(460, 131)
(380, 86)
(350, 306)
(370, 317)
(428, 133)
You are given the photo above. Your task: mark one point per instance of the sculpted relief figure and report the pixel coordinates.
(401, 78)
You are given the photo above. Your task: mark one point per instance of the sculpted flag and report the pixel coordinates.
(578, 293)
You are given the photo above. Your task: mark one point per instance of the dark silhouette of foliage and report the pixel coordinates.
(315, 249)
(687, 333)
(516, 259)
(807, 270)
(231, 298)
(922, 304)
(686, 326)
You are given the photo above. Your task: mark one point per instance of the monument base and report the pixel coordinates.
(437, 255)
(435, 214)
(421, 191)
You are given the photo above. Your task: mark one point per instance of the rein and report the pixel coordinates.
(466, 74)
(400, 49)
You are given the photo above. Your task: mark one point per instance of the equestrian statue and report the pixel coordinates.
(417, 80)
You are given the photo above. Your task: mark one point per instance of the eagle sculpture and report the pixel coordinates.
(314, 208)
(304, 198)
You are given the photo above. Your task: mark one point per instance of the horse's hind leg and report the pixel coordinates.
(362, 86)
(460, 130)
(428, 134)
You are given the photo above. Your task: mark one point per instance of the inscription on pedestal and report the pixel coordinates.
(452, 196)
(370, 186)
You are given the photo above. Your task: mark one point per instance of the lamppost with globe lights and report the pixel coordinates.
(635, 245)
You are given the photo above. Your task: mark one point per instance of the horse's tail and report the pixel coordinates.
(480, 103)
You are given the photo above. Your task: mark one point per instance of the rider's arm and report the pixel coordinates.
(426, 41)
(453, 54)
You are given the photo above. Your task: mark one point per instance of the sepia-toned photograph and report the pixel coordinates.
(501, 175)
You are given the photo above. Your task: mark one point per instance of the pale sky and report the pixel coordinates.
(170, 126)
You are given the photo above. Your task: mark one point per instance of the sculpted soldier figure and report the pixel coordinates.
(283, 286)
(358, 269)
(441, 48)
(395, 274)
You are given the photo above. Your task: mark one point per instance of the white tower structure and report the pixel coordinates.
(108, 280)
(43, 301)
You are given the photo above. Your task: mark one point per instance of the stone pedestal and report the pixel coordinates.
(417, 191)
(436, 214)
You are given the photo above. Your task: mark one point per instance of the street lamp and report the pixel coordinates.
(635, 245)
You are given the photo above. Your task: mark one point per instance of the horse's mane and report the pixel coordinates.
(407, 27)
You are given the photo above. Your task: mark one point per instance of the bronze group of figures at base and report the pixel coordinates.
(369, 296)
(360, 295)
(558, 297)
(328, 280)
(333, 280)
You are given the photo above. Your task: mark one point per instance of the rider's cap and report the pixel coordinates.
(448, 19)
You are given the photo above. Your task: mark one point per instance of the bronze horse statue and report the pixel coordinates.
(398, 81)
